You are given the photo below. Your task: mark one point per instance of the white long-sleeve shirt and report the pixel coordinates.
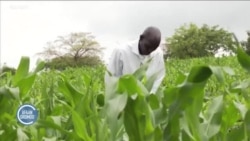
(127, 59)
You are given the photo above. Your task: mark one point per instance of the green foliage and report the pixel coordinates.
(61, 63)
(6, 69)
(191, 41)
(202, 99)
(248, 43)
(14, 92)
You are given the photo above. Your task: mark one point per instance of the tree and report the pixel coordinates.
(6, 69)
(191, 41)
(71, 50)
(246, 44)
(59, 64)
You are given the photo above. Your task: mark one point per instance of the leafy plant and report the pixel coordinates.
(200, 100)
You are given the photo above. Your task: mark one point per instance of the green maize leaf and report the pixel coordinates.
(193, 122)
(228, 70)
(42, 123)
(34, 133)
(185, 137)
(26, 84)
(40, 65)
(86, 79)
(76, 95)
(110, 86)
(241, 107)
(85, 106)
(140, 73)
(117, 130)
(191, 97)
(247, 123)
(9, 134)
(73, 95)
(65, 91)
(170, 95)
(172, 130)
(158, 135)
(213, 117)
(56, 119)
(151, 80)
(128, 83)
(137, 120)
(2, 74)
(79, 125)
(190, 94)
(242, 86)
(7, 116)
(228, 118)
(41, 132)
(236, 134)
(181, 77)
(217, 71)
(153, 101)
(49, 139)
(22, 70)
(132, 126)
(100, 100)
(243, 59)
(176, 106)
(114, 107)
(186, 133)
(199, 74)
(142, 90)
(10, 92)
(102, 131)
(160, 116)
(57, 109)
(21, 135)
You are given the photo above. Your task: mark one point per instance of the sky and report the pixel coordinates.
(27, 26)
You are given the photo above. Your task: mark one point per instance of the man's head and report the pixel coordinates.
(149, 40)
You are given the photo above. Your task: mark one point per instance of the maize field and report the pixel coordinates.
(203, 99)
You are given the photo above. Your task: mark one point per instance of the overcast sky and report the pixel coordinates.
(26, 27)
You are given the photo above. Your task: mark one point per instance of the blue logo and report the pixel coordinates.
(27, 114)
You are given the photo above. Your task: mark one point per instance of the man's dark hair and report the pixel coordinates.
(149, 40)
(153, 33)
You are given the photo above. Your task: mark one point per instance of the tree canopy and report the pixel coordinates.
(191, 41)
(73, 50)
(246, 44)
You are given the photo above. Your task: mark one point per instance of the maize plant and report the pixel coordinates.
(202, 99)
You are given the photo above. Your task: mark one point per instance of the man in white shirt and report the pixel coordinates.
(127, 59)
